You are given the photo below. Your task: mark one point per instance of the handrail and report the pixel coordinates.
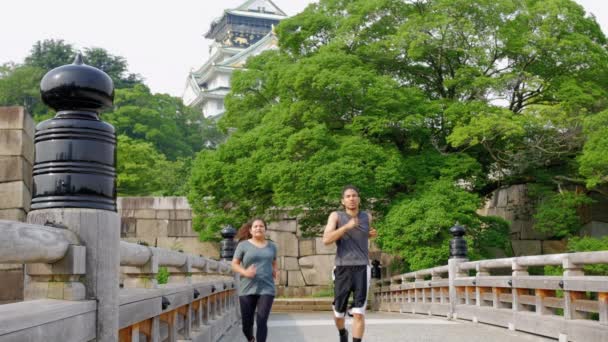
(30, 243)
(571, 306)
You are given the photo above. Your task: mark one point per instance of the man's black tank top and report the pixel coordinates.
(353, 245)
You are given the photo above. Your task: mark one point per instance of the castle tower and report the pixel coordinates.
(238, 34)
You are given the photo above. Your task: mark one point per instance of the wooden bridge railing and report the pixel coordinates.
(569, 307)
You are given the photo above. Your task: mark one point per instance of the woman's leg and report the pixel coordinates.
(264, 306)
(248, 304)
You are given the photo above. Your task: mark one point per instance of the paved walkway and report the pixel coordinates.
(383, 327)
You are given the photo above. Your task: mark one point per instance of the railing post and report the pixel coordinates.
(75, 179)
(570, 297)
(458, 255)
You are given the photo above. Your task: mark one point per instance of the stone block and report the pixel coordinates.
(321, 248)
(15, 142)
(307, 246)
(529, 233)
(181, 228)
(183, 214)
(12, 284)
(287, 243)
(13, 215)
(281, 279)
(165, 214)
(128, 227)
(295, 278)
(290, 264)
(526, 247)
(156, 203)
(283, 226)
(554, 246)
(15, 195)
(16, 117)
(151, 228)
(15, 168)
(594, 229)
(170, 203)
(517, 195)
(317, 269)
(144, 214)
(518, 225)
(11, 267)
(190, 245)
(73, 263)
(502, 197)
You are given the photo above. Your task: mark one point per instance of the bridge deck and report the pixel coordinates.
(383, 327)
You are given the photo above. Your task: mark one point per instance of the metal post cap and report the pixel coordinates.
(77, 86)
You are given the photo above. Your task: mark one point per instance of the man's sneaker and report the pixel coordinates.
(344, 338)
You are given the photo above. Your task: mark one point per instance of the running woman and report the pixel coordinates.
(255, 259)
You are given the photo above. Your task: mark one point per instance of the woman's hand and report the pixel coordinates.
(249, 272)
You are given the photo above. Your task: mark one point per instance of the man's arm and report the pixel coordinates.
(332, 232)
(372, 231)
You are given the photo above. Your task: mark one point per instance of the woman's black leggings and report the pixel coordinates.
(249, 303)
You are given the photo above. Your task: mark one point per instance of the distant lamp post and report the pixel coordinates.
(228, 245)
(458, 245)
(376, 271)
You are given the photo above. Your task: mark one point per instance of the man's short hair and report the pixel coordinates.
(349, 187)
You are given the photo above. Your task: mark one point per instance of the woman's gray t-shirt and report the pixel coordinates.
(262, 257)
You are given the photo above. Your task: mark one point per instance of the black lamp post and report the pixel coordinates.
(228, 245)
(458, 245)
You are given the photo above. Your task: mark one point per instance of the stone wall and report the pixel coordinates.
(162, 222)
(305, 264)
(514, 205)
(16, 160)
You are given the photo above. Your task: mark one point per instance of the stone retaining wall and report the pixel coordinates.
(16, 160)
(514, 205)
(162, 222)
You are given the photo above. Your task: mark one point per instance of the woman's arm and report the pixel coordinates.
(275, 269)
(238, 268)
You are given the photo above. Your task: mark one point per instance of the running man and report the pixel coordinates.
(350, 230)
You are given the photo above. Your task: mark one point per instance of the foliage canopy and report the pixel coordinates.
(427, 106)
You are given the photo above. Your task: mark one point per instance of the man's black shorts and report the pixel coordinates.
(349, 279)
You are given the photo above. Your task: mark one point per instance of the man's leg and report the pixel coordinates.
(361, 279)
(358, 325)
(341, 293)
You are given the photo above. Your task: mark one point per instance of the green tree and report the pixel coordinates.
(427, 106)
(17, 88)
(174, 129)
(142, 170)
(49, 54)
(115, 66)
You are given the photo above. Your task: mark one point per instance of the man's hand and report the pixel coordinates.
(250, 272)
(373, 233)
(352, 223)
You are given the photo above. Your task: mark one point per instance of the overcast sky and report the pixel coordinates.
(161, 40)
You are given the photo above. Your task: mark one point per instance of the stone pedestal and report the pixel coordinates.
(99, 231)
